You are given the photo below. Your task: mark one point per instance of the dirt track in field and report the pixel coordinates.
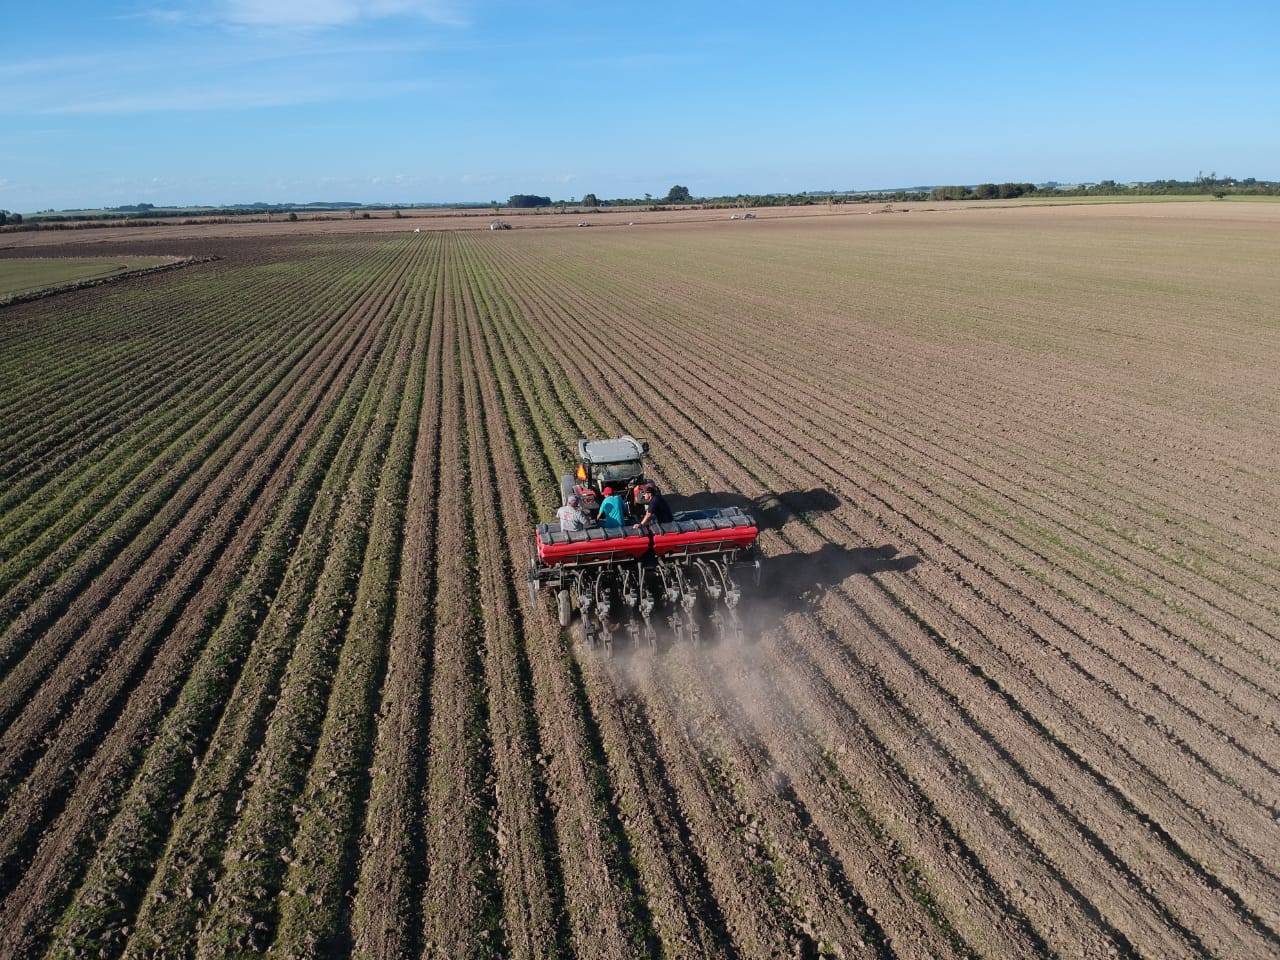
(270, 679)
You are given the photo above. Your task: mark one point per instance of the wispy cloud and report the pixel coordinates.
(221, 77)
(305, 14)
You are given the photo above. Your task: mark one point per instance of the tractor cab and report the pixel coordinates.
(616, 463)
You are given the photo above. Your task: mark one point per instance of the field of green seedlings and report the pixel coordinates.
(271, 680)
(29, 274)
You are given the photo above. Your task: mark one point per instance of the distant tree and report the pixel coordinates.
(678, 194)
(292, 215)
(648, 197)
(4, 217)
(986, 191)
(523, 200)
(589, 200)
(1010, 190)
(397, 215)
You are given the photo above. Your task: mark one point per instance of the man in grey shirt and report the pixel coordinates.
(571, 517)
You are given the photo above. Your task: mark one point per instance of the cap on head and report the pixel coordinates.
(608, 491)
(573, 499)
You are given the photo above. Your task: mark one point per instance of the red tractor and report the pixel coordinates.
(621, 577)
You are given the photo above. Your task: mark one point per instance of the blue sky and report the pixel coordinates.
(234, 101)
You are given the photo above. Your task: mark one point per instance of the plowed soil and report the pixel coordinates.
(271, 679)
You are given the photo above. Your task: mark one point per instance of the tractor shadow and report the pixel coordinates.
(795, 575)
(771, 510)
(797, 582)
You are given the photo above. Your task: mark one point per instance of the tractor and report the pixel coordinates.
(622, 579)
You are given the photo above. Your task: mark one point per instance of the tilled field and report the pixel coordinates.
(270, 679)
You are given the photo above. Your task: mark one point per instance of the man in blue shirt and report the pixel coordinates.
(613, 512)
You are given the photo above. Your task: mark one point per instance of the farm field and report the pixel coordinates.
(271, 681)
(31, 274)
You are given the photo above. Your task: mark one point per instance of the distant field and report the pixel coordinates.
(28, 276)
(271, 680)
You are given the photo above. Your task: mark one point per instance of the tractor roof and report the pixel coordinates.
(617, 450)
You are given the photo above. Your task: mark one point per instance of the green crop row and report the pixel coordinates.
(225, 649)
(241, 914)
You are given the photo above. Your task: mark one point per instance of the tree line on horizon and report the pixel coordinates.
(142, 214)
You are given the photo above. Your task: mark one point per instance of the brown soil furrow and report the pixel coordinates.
(1109, 629)
(836, 371)
(739, 872)
(810, 721)
(183, 549)
(1118, 688)
(595, 871)
(819, 401)
(110, 766)
(182, 889)
(821, 887)
(1119, 832)
(687, 916)
(1265, 821)
(729, 343)
(668, 421)
(322, 872)
(216, 516)
(385, 911)
(684, 915)
(458, 899)
(241, 916)
(533, 920)
(986, 590)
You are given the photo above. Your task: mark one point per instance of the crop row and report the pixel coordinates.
(228, 575)
(272, 682)
(714, 391)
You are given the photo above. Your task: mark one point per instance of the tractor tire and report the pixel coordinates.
(564, 607)
(566, 488)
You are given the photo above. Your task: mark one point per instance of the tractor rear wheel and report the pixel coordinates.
(564, 607)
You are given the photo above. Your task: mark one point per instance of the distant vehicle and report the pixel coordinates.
(749, 216)
(499, 225)
(734, 217)
(583, 223)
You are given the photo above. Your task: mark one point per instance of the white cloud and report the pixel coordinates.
(306, 14)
